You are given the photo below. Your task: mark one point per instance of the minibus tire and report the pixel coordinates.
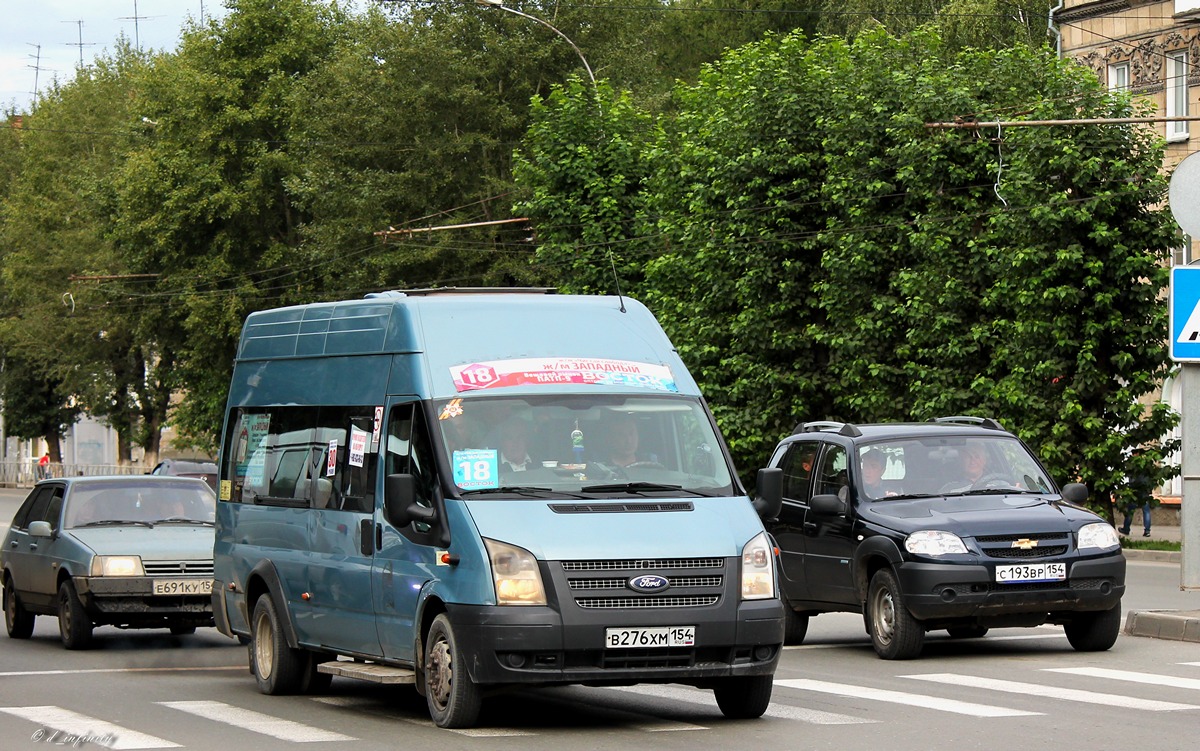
(453, 698)
(278, 669)
(744, 697)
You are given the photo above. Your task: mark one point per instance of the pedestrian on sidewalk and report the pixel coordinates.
(1139, 483)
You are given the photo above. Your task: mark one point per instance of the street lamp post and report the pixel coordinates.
(500, 4)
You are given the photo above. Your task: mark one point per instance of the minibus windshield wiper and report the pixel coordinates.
(116, 522)
(639, 487)
(185, 520)
(517, 489)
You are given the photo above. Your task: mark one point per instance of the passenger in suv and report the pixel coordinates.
(952, 524)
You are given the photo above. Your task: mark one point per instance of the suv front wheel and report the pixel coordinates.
(895, 634)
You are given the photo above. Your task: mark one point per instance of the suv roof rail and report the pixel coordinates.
(842, 428)
(983, 422)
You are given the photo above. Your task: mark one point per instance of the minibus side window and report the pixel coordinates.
(409, 451)
(351, 486)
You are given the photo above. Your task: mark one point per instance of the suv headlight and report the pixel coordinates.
(117, 565)
(758, 569)
(516, 575)
(1098, 535)
(934, 542)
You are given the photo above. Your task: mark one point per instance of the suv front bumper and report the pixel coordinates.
(946, 590)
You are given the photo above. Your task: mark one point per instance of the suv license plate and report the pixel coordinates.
(1032, 572)
(654, 636)
(182, 586)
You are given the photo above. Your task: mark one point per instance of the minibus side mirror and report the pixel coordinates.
(1075, 492)
(400, 505)
(768, 499)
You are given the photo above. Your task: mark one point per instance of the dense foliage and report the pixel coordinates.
(818, 253)
(812, 248)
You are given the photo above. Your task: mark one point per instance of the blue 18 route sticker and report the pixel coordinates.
(477, 469)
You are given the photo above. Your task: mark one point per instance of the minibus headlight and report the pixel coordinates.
(117, 565)
(758, 569)
(516, 575)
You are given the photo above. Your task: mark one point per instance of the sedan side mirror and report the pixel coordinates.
(41, 529)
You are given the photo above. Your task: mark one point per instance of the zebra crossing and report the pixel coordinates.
(625, 707)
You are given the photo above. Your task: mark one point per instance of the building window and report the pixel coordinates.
(1118, 77)
(1177, 95)
(1182, 254)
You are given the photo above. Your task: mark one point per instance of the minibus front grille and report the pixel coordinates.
(643, 564)
(676, 581)
(625, 603)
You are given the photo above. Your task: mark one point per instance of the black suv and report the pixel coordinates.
(952, 524)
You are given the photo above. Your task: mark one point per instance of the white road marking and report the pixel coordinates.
(1131, 677)
(1052, 692)
(778, 711)
(255, 722)
(74, 729)
(373, 707)
(901, 697)
(19, 673)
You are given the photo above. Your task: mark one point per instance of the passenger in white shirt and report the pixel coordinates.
(514, 446)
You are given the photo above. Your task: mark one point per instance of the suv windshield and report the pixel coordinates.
(590, 446)
(959, 465)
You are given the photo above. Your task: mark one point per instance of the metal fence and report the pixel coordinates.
(25, 473)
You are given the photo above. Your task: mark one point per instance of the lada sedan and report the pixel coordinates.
(952, 524)
(131, 552)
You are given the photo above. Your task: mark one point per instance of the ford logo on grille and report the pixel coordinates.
(648, 583)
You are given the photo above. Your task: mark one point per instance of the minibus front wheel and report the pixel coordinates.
(278, 669)
(453, 698)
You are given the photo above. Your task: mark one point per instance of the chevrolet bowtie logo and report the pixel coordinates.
(1025, 543)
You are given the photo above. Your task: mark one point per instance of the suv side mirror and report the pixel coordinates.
(400, 506)
(768, 498)
(1075, 492)
(827, 504)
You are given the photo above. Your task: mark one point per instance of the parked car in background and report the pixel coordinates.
(952, 524)
(129, 551)
(203, 469)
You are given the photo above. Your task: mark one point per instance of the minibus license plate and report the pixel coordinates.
(183, 586)
(1032, 572)
(655, 636)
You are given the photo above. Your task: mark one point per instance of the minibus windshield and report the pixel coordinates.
(582, 446)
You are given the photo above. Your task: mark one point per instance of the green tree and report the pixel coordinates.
(817, 253)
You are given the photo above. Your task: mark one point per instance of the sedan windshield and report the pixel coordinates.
(590, 446)
(923, 467)
(139, 501)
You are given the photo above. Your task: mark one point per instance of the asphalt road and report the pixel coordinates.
(1011, 689)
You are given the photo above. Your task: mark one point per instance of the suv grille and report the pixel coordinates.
(1002, 546)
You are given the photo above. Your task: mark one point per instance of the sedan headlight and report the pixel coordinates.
(117, 565)
(758, 569)
(1098, 535)
(516, 575)
(934, 542)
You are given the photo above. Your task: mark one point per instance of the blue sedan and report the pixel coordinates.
(129, 551)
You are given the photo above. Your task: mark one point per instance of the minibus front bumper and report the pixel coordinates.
(532, 644)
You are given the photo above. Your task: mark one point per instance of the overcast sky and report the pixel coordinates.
(53, 24)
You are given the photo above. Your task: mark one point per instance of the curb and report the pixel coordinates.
(1177, 625)
(1165, 556)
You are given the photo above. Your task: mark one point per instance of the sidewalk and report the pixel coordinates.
(1179, 625)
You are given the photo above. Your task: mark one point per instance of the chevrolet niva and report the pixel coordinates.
(952, 524)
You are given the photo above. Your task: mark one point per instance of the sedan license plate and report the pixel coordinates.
(1031, 572)
(653, 636)
(182, 586)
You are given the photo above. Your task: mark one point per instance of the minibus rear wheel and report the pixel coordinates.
(453, 698)
(278, 669)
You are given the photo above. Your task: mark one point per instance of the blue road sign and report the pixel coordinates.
(1185, 313)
